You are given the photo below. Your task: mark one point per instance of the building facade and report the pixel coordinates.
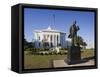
(49, 38)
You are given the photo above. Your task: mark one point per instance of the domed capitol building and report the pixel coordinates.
(49, 38)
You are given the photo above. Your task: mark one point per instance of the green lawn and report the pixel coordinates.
(39, 61)
(45, 61)
(87, 53)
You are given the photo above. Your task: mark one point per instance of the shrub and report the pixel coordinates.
(44, 49)
(64, 48)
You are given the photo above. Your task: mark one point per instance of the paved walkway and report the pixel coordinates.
(62, 63)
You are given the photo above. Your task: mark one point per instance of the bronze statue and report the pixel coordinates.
(74, 53)
(73, 33)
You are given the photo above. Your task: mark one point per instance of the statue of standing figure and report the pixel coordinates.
(74, 53)
(73, 33)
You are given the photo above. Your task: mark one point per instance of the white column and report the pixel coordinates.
(53, 40)
(56, 40)
(49, 41)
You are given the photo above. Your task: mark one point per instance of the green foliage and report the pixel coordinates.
(28, 46)
(79, 41)
(36, 52)
(64, 49)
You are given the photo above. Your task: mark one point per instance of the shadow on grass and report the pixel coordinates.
(87, 59)
(84, 60)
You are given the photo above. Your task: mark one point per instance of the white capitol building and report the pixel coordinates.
(49, 38)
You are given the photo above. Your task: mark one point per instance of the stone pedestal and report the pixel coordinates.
(74, 55)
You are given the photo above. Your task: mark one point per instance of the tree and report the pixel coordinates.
(84, 45)
(25, 44)
(28, 45)
(80, 42)
(25, 41)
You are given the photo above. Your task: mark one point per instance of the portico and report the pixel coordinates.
(49, 38)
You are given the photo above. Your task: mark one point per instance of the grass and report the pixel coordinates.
(39, 61)
(87, 53)
(45, 61)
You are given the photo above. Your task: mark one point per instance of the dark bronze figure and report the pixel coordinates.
(73, 32)
(74, 54)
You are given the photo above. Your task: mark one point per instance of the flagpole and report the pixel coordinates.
(54, 20)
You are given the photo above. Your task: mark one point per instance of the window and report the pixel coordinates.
(51, 38)
(39, 37)
(39, 44)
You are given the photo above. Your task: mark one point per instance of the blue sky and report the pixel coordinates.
(35, 19)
